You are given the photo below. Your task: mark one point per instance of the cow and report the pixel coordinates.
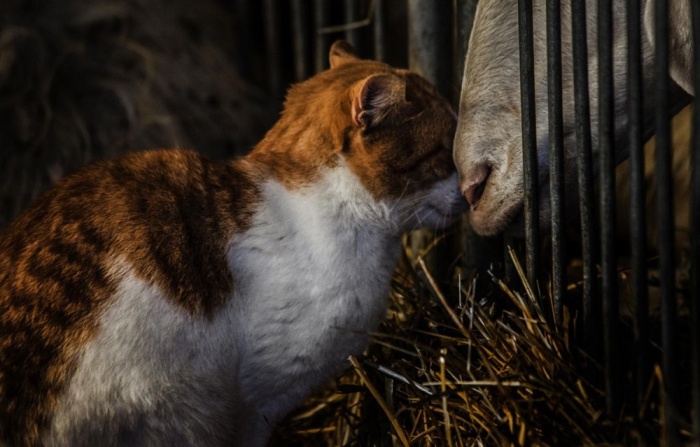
(488, 143)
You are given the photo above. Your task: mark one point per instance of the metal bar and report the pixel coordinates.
(301, 49)
(527, 98)
(695, 223)
(321, 45)
(272, 48)
(475, 247)
(607, 206)
(378, 31)
(352, 35)
(429, 42)
(430, 56)
(465, 20)
(638, 228)
(472, 244)
(556, 154)
(241, 23)
(584, 161)
(666, 225)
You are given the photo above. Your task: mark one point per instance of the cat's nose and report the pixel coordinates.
(474, 183)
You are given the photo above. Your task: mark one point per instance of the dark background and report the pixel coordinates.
(84, 80)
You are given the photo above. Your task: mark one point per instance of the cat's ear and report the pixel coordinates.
(341, 53)
(377, 97)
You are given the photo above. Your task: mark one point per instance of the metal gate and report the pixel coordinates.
(598, 236)
(434, 44)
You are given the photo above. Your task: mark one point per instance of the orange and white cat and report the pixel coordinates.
(164, 299)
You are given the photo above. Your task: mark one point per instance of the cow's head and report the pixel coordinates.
(488, 143)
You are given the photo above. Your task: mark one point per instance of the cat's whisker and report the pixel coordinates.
(405, 188)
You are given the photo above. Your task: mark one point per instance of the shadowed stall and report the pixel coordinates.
(481, 345)
(82, 81)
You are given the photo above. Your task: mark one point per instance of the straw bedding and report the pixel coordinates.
(457, 366)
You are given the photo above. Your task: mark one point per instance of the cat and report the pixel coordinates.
(164, 299)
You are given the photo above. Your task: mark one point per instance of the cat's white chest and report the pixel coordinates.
(313, 289)
(309, 283)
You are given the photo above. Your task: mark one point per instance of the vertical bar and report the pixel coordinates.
(465, 20)
(584, 160)
(695, 223)
(527, 98)
(429, 49)
(378, 31)
(607, 205)
(474, 247)
(299, 39)
(272, 47)
(666, 224)
(242, 29)
(350, 11)
(321, 46)
(430, 56)
(638, 230)
(556, 153)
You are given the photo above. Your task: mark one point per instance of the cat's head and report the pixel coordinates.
(390, 127)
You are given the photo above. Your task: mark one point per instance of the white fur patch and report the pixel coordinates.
(317, 265)
(312, 276)
(154, 375)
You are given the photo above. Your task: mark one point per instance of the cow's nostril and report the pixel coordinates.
(475, 192)
(475, 183)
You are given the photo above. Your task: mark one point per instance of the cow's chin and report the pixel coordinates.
(509, 217)
(493, 220)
